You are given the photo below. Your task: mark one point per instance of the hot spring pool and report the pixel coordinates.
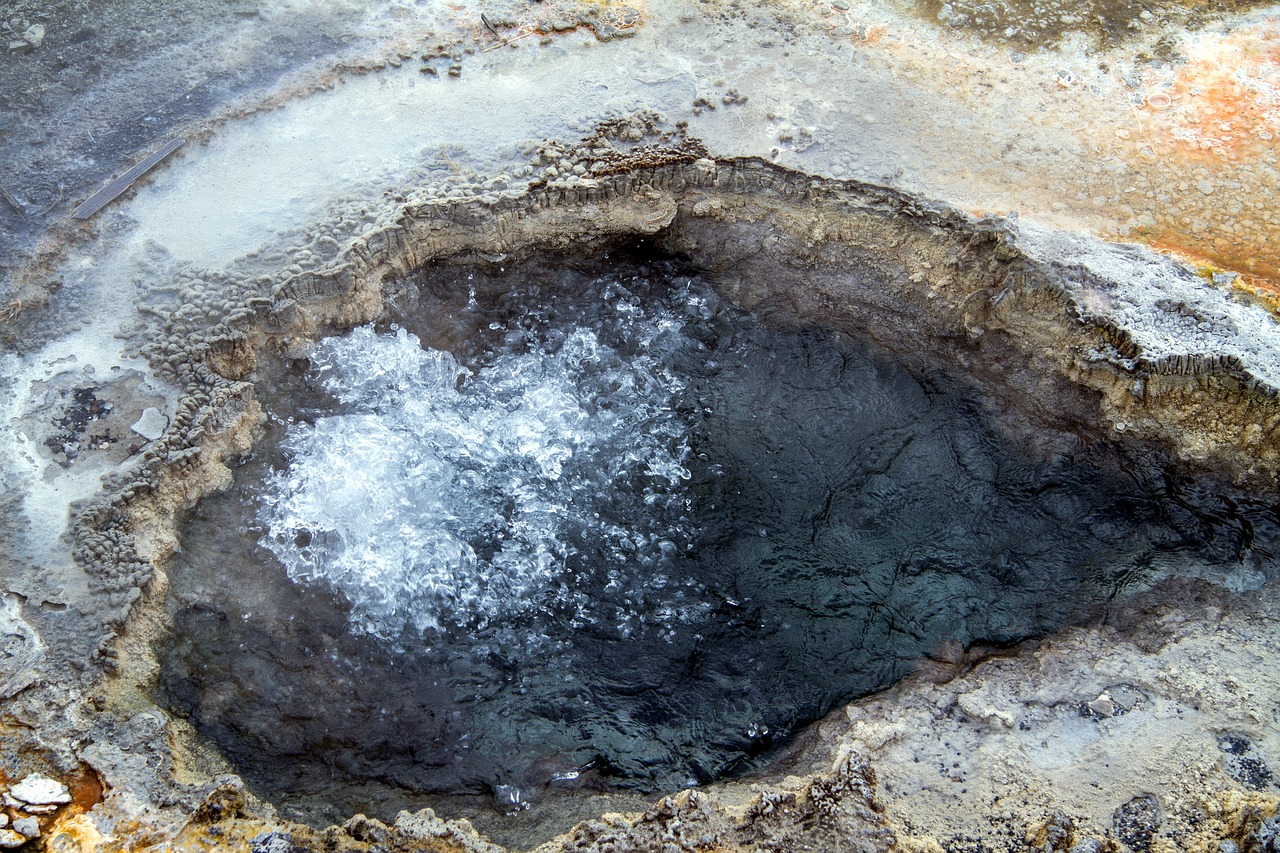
(554, 529)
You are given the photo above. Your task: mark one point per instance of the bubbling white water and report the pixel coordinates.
(442, 497)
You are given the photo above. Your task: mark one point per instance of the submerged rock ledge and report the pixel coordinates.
(1063, 333)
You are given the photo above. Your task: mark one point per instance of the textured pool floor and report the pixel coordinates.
(566, 529)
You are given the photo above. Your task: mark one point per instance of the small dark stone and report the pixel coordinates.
(1251, 773)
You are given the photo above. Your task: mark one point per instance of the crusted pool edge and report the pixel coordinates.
(1074, 333)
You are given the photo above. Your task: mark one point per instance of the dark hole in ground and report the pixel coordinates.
(609, 532)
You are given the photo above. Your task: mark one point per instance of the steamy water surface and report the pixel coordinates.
(560, 529)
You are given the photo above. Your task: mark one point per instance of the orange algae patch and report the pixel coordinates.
(1256, 261)
(1206, 144)
(1261, 284)
(78, 835)
(1227, 94)
(1266, 291)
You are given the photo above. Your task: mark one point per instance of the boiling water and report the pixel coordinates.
(547, 483)
(556, 529)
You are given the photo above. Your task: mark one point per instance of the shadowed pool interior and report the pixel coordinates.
(550, 531)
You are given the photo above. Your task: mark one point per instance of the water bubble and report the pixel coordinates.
(438, 495)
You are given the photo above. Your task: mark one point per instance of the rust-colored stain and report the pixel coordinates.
(1264, 289)
(1252, 250)
(67, 822)
(1206, 143)
(1259, 266)
(86, 790)
(1226, 99)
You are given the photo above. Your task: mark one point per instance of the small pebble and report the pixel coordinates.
(28, 826)
(150, 426)
(40, 790)
(1103, 706)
